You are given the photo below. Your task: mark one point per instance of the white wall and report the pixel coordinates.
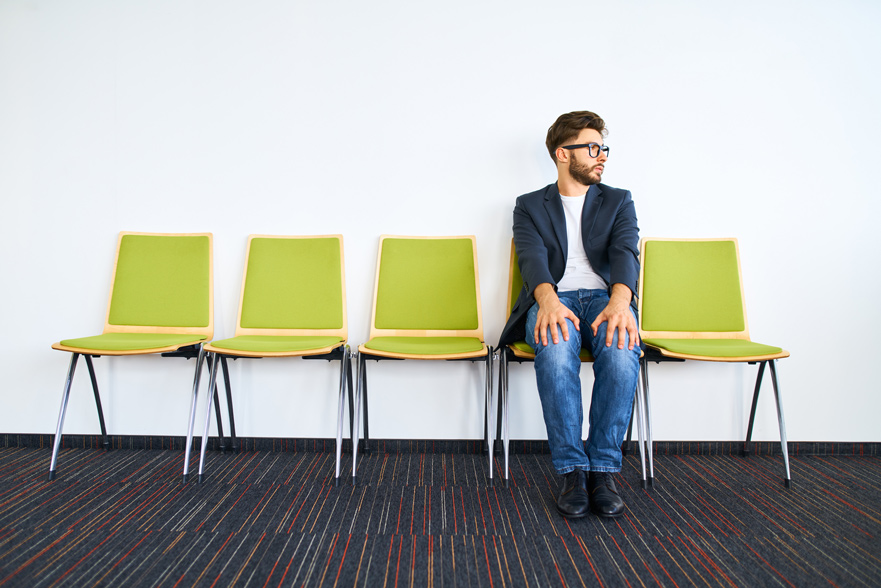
(750, 119)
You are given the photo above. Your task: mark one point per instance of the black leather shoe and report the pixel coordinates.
(604, 499)
(573, 502)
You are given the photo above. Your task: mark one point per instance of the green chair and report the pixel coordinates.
(293, 304)
(521, 351)
(161, 301)
(426, 305)
(691, 306)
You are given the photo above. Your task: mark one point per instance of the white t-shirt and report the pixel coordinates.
(579, 274)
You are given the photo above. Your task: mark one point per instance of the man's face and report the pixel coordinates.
(583, 168)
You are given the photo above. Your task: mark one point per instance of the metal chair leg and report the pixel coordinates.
(752, 413)
(233, 441)
(640, 420)
(212, 391)
(344, 366)
(361, 378)
(784, 446)
(649, 436)
(490, 410)
(94, 380)
(64, 398)
(503, 387)
(192, 420)
(221, 439)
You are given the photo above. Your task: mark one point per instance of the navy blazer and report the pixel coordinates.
(608, 231)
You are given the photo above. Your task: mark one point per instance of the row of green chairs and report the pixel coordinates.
(426, 305)
(293, 304)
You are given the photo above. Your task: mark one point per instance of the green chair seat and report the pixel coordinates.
(714, 347)
(525, 347)
(276, 343)
(132, 341)
(425, 345)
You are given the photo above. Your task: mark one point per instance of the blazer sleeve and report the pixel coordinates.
(532, 254)
(624, 246)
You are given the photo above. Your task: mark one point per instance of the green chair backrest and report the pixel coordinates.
(161, 281)
(293, 283)
(427, 284)
(515, 280)
(692, 286)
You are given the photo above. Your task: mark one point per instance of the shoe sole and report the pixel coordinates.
(603, 515)
(572, 516)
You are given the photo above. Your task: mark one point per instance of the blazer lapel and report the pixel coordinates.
(554, 206)
(592, 203)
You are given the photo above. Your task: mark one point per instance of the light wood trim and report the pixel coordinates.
(470, 354)
(166, 349)
(303, 353)
(342, 332)
(207, 331)
(643, 334)
(741, 359)
(375, 332)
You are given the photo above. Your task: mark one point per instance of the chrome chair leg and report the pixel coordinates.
(64, 398)
(503, 393)
(787, 481)
(490, 410)
(344, 366)
(212, 390)
(192, 420)
(639, 407)
(360, 376)
(650, 439)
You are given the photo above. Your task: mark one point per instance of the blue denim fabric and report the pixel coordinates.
(559, 387)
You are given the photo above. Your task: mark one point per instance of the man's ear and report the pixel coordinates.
(562, 155)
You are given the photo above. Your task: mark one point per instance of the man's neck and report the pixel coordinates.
(570, 187)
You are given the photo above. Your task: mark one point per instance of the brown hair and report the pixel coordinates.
(567, 127)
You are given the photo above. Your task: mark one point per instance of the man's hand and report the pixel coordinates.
(551, 312)
(617, 314)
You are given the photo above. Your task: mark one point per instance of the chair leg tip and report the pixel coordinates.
(507, 483)
(354, 480)
(336, 482)
(492, 483)
(651, 482)
(186, 478)
(51, 475)
(787, 483)
(201, 478)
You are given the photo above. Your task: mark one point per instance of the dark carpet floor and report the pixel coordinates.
(262, 518)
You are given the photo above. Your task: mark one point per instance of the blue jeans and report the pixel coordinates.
(559, 387)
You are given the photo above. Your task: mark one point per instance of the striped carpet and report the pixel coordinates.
(262, 518)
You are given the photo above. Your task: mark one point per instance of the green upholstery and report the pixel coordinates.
(162, 280)
(276, 343)
(700, 295)
(425, 345)
(293, 284)
(516, 283)
(131, 341)
(525, 347)
(426, 284)
(714, 347)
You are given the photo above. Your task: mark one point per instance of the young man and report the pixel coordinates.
(576, 241)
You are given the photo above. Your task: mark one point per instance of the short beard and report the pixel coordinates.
(581, 172)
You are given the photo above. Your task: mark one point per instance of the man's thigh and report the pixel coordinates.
(575, 336)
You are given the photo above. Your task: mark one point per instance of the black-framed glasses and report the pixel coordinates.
(593, 149)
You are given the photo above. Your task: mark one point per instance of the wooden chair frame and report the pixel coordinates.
(339, 351)
(185, 349)
(364, 353)
(762, 360)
